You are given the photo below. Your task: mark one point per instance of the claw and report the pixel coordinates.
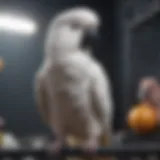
(90, 147)
(54, 147)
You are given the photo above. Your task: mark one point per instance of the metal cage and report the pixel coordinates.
(146, 151)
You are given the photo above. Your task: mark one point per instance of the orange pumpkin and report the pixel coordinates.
(142, 118)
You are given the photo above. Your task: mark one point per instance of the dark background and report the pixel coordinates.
(128, 51)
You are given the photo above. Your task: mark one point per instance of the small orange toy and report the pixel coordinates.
(142, 118)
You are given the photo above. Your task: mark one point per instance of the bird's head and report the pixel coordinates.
(74, 29)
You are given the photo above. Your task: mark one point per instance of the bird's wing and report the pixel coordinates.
(102, 102)
(41, 98)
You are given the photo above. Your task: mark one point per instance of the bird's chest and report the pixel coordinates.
(72, 109)
(71, 104)
(70, 94)
(70, 88)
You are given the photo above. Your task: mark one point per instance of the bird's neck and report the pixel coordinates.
(61, 54)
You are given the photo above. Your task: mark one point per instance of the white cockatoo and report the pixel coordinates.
(72, 88)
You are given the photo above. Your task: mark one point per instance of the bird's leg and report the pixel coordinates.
(55, 146)
(54, 149)
(91, 145)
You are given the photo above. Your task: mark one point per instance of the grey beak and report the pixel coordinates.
(90, 39)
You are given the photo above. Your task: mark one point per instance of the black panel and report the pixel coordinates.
(145, 52)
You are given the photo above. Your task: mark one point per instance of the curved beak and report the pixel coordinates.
(90, 38)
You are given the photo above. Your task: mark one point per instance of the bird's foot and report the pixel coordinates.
(54, 148)
(90, 147)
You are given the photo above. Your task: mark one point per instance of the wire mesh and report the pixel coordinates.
(124, 152)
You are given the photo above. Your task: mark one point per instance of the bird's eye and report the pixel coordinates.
(75, 26)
